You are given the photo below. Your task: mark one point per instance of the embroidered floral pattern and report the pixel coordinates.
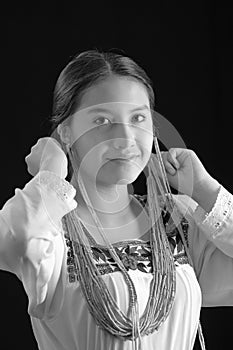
(134, 254)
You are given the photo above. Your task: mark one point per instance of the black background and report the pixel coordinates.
(185, 47)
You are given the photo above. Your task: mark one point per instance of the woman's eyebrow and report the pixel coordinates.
(98, 109)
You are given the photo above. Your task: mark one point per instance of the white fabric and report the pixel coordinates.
(33, 247)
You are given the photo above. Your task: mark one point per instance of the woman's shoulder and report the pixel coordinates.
(181, 200)
(185, 203)
(143, 199)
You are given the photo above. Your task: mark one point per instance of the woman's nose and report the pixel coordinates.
(123, 136)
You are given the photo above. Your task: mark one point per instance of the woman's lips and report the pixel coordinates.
(123, 159)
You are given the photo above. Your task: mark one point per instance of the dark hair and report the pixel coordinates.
(86, 69)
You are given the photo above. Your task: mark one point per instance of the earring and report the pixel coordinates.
(155, 131)
(67, 148)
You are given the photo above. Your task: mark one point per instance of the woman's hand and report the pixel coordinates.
(185, 172)
(47, 154)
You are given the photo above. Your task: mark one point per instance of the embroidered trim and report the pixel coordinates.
(63, 189)
(135, 254)
(221, 210)
(71, 264)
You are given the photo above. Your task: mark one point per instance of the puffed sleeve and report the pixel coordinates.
(32, 244)
(210, 239)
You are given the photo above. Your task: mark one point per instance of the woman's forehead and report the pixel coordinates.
(114, 89)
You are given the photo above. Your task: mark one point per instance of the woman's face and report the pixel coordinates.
(113, 121)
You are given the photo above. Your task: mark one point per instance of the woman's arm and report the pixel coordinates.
(210, 238)
(31, 241)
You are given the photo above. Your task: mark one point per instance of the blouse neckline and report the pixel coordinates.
(141, 199)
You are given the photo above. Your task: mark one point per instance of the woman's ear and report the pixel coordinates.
(64, 133)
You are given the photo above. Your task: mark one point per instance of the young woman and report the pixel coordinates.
(104, 268)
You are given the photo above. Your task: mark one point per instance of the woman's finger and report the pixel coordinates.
(170, 168)
(171, 156)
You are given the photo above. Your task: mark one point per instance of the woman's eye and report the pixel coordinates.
(140, 115)
(101, 118)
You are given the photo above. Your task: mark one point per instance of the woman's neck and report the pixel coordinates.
(109, 203)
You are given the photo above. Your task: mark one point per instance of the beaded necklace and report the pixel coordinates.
(101, 304)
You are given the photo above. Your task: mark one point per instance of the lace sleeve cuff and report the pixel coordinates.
(220, 212)
(64, 190)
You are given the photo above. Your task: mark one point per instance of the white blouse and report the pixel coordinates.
(33, 246)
